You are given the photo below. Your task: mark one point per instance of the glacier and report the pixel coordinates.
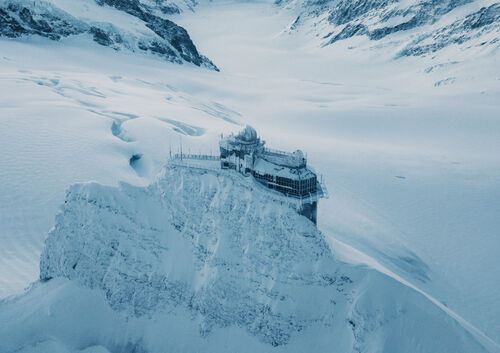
(198, 254)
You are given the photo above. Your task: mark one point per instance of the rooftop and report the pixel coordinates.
(263, 166)
(286, 159)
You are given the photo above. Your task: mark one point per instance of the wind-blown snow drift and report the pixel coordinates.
(207, 261)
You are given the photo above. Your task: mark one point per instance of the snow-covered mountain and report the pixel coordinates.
(405, 144)
(122, 25)
(200, 252)
(424, 26)
(408, 28)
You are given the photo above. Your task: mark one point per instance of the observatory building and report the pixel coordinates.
(283, 172)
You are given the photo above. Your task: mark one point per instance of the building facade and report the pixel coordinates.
(283, 172)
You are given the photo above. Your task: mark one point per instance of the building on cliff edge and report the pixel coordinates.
(284, 172)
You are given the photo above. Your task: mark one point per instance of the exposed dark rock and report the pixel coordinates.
(348, 10)
(485, 16)
(459, 32)
(160, 48)
(176, 35)
(132, 7)
(17, 20)
(9, 26)
(380, 33)
(101, 37)
(349, 31)
(169, 9)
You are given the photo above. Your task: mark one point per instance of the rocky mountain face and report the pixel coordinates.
(142, 28)
(157, 7)
(213, 251)
(424, 26)
(414, 28)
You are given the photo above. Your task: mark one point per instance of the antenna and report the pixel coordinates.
(180, 139)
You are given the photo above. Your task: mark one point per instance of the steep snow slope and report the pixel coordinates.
(127, 26)
(405, 145)
(211, 251)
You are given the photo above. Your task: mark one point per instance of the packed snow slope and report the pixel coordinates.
(406, 143)
(200, 254)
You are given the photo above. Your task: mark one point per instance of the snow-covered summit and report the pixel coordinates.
(205, 261)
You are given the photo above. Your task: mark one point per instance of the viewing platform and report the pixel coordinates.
(279, 172)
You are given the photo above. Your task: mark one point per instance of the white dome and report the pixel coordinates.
(248, 134)
(298, 154)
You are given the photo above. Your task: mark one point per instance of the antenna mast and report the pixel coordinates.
(180, 139)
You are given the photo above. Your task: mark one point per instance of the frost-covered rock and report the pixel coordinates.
(473, 26)
(19, 19)
(208, 261)
(201, 241)
(122, 25)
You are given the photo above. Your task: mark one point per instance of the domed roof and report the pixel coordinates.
(299, 155)
(248, 134)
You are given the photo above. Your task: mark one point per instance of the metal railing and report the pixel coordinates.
(184, 164)
(279, 152)
(185, 160)
(201, 157)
